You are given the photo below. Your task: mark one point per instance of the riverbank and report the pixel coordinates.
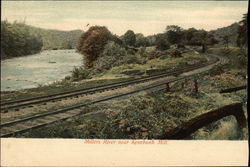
(115, 74)
(39, 69)
(150, 115)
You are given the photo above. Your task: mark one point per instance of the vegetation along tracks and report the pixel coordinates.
(5, 106)
(22, 125)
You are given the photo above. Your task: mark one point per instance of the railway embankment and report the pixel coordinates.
(149, 114)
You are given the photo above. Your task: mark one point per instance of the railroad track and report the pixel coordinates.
(21, 125)
(17, 104)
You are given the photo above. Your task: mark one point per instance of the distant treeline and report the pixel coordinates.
(95, 42)
(19, 39)
(232, 35)
(173, 35)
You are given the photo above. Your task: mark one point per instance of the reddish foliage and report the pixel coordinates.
(92, 43)
(174, 53)
(154, 54)
(221, 76)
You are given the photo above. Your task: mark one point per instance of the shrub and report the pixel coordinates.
(114, 55)
(131, 59)
(154, 54)
(80, 73)
(142, 52)
(176, 53)
(112, 49)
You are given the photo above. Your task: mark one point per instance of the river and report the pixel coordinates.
(38, 69)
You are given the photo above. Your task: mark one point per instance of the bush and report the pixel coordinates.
(174, 53)
(80, 73)
(154, 54)
(131, 59)
(114, 55)
(142, 52)
(113, 49)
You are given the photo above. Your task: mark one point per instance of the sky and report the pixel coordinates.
(145, 17)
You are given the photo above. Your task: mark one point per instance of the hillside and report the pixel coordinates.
(19, 39)
(56, 39)
(230, 31)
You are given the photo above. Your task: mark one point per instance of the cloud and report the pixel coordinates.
(145, 17)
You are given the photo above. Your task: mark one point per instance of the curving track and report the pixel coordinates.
(20, 125)
(5, 106)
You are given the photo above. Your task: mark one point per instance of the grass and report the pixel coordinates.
(57, 87)
(237, 56)
(148, 116)
(167, 64)
(111, 76)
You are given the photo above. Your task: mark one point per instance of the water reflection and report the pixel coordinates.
(39, 69)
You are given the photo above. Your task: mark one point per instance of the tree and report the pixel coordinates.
(174, 34)
(162, 42)
(189, 34)
(242, 32)
(17, 40)
(225, 40)
(202, 38)
(129, 38)
(91, 43)
(151, 39)
(141, 40)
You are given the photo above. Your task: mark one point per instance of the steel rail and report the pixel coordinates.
(66, 92)
(92, 90)
(83, 105)
(7, 124)
(84, 89)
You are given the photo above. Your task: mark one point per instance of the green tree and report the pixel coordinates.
(17, 40)
(188, 35)
(225, 40)
(174, 34)
(162, 42)
(242, 32)
(151, 39)
(202, 38)
(129, 38)
(141, 41)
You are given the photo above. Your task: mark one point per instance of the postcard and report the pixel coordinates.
(124, 83)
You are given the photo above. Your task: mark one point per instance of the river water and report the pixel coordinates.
(38, 69)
